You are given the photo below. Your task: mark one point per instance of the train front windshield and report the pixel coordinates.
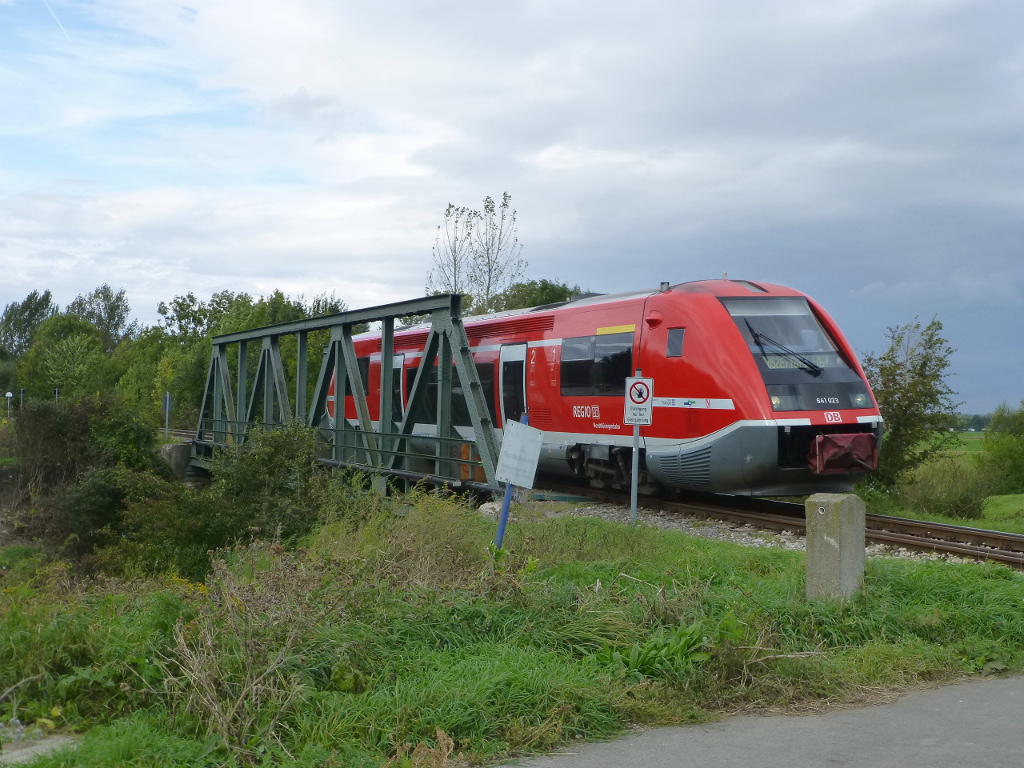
(799, 362)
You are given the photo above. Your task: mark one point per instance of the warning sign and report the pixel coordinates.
(639, 401)
(520, 451)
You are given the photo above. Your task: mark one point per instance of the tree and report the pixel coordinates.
(495, 264)
(66, 354)
(20, 320)
(453, 251)
(187, 319)
(137, 360)
(477, 253)
(108, 310)
(326, 304)
(909, 382)
(1004, 449)
(245, 314)
(533, 293)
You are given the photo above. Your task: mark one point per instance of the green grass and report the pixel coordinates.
(1005, 508)
(972, 442)
(399, 641)
(999, 513)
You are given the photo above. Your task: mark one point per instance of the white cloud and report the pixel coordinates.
(312, 144)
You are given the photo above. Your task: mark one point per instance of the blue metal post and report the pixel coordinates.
(503, 519)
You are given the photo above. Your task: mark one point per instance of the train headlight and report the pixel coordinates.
(860, 401)
(776, 402)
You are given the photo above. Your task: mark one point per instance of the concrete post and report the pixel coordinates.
(177, 455)
(835, 545)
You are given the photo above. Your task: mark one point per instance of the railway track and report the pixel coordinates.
(902, 532)
(179, 434)
(772, 515)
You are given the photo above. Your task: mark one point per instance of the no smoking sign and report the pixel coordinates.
(639, 401)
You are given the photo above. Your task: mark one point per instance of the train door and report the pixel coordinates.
(512, 371)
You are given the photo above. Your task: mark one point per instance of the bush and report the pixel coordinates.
(909, 382)
(59, 441)
(52, 442)
(81, 462)
(947, 486)
(92, 510)
(1004, 449)
(271, 488)
(268, 487)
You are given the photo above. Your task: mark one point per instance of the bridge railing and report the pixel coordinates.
(239, 395)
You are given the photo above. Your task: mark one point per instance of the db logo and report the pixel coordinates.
(833, 417)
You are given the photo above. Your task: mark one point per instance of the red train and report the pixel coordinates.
(756, 392)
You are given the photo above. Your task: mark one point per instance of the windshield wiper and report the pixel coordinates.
(760, 339)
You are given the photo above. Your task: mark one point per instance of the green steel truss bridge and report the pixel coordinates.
(245, 391)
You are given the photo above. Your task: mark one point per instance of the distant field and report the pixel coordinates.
(972, 441)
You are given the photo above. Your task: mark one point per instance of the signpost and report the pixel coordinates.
(517, 465)
(638, 411)
(167, 417)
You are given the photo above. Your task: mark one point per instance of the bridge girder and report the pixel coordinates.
(266, 400)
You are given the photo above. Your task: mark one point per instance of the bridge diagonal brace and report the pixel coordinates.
(476, 404)
(358, 395)
(280, 384)
(416, 395)
(259, 387)
(218, 398)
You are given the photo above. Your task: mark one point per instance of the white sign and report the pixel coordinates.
(520, 451)
(639, 401)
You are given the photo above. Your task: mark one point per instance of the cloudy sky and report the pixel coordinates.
(868, 152)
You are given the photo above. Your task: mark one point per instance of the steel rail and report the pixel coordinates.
(183, 434)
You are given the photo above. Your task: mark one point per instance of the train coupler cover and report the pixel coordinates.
(833, 454)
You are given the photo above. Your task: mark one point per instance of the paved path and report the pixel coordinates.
(970, 725)
(24, 753)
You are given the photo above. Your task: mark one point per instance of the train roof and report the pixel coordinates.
(722, 287)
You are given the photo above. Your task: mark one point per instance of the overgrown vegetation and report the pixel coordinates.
(982, 483)
(388, 636)
(916, 401)
(1004, 449)
(333, 626)
(337, 627)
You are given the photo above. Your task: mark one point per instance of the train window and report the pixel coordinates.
(460, 411)
(578, 366)
(801, 365)
(513, 393)
(596, 365)
(397, 388)
(363, 364)
(410, 377)
(613, 361)
(675, 342)
(426, 413)
(486, 373)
